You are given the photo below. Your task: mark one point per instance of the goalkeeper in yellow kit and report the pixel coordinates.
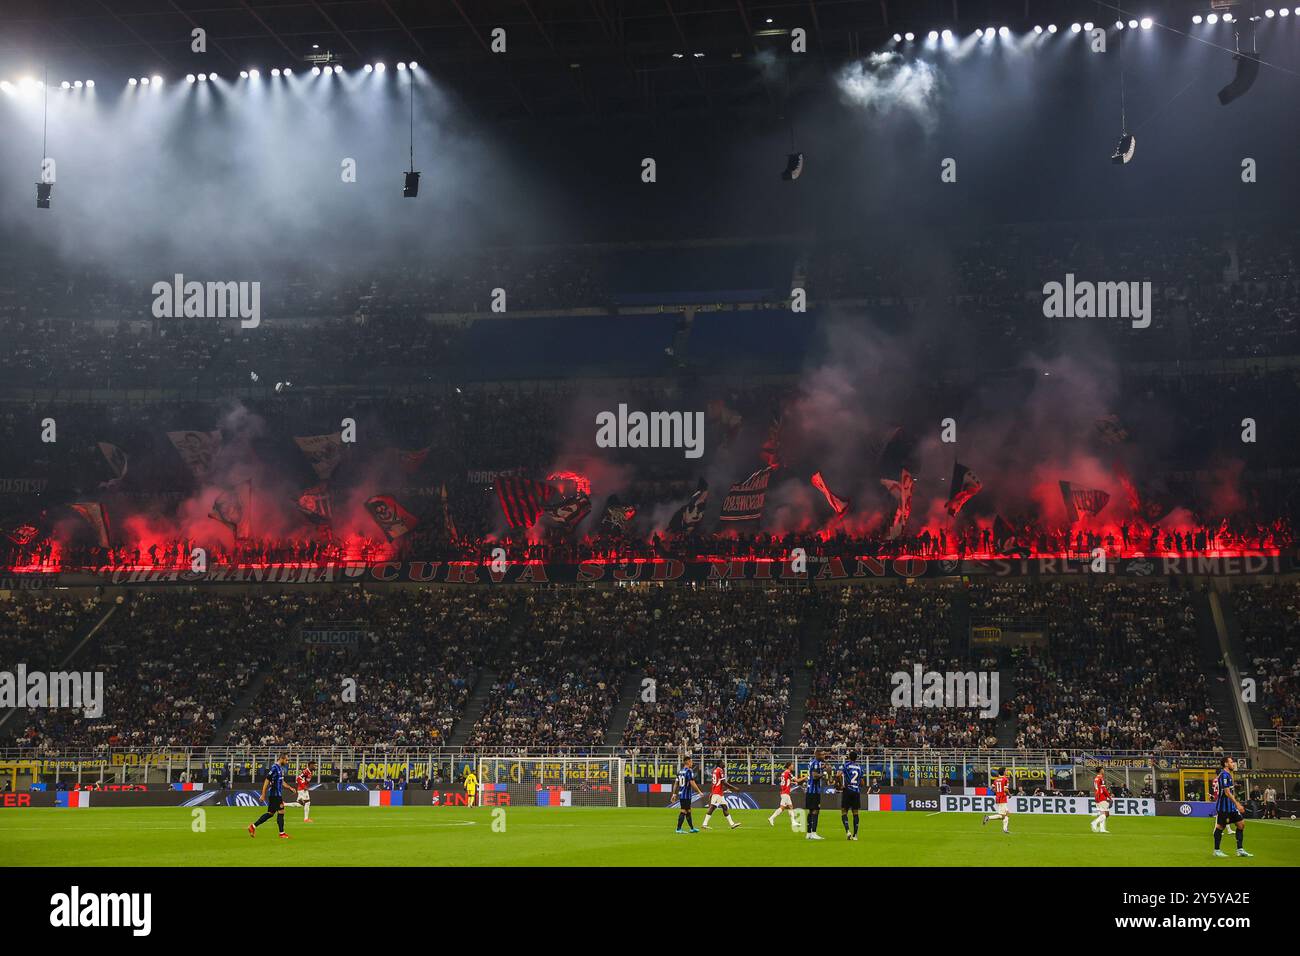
(471, 786)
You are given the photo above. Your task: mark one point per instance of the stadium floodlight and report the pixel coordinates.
(6, 86)
(1038, 28)
(1284, 12)
(77, 84)
(203, 77)
(1004, 32)
(144, 81)
(1146, 23)
(275, 71)
(898, 38)
(132, 81)
(1228, 17)
(315, 71)
(990, 33)
(379, 67)
(932, 35)
(370, 69)
(254, 74)
(190, 77)
(414, 65)
(1088, 26)
(1124, 150)
(1051, 28)
(157, 80)
(1132, 24)
(1076, 27)
(1197, 18)
(287, 71)
(401, 65)
(90, 84)
(66, 85)
(793, 167)
(243, 74)
(1270, 13)
(947, 35)
(1212, 19)
(909, 36)
(1119, 24)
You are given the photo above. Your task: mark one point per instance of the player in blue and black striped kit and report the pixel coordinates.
(1228, 808)
(686, 790)
(273, 797)
(851, 776)
(813, 798)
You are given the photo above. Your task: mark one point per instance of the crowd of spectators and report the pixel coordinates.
(1268, 619)
(878, 633)
(560, 678)
(1113, 667)
(401, 676)
(720, 665)
(42, 631)
(173, 665)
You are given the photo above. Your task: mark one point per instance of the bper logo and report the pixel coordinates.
(76, 909)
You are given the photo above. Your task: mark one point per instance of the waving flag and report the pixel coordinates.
(902, 492)
(616, 517)
(1089, 501)
(565, 514)
(198, 450)
(522, 499)
(234, 508)
(746, 499)
(392, 518)
(324, 452)
(965, 486)
(838, 505)
(687, 518)
(317, 503)
(96, 517)
(116, 459)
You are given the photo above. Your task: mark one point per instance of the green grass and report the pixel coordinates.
(436, 836)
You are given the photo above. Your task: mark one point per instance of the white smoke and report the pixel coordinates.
(885, 83)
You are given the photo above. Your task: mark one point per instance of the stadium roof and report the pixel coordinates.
(564, 57)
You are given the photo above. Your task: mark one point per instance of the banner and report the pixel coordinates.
(116, 459)
(746, 499)
(617, 516)
(522, 499)
(820, 569)
(1061, 806)
(838, 505)
(567, 513)
(317, 503)
(902, 492)
(1089, 501)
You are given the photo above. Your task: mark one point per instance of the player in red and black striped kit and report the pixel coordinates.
(1100, 793)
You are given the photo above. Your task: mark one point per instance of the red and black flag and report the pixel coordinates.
(317, 503)
(448, 523)
(965, 486)
(617, 516)
(392, 518)
(1088, 501)
(838, 505)
(23, 534)
(1006, 540)
(771, 450)
(688, 517)
(565, 514)
(96, 517)
(747, 498)
(116, 459)
(522, 499)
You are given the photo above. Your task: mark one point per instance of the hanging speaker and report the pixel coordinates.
(412, 187)
(1247, 71)
(793, 167)
(43, 191)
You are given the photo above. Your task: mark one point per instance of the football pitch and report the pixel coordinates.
(532, 836)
